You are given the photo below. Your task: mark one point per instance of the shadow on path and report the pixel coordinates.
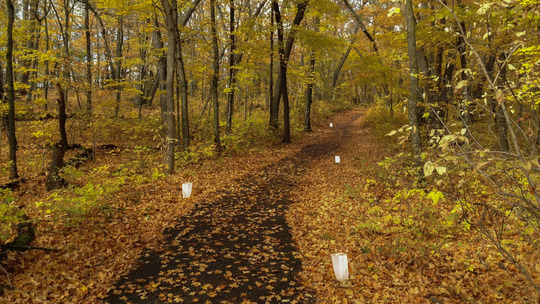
(236, 249)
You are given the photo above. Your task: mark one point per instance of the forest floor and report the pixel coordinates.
(238, 248)
(260, 228)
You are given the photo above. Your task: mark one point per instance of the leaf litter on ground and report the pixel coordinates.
(394, 255)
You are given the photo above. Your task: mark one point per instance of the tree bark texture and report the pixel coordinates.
(310, 83)
(183, 86)
(215, 75)
(88, 57)
(118, 68)
(284, 49)
(309, 92)
(271, 68)
(465, 108)
(232, 71)
(62, 117)
(13, 174)
(414, 85)
(171, 15)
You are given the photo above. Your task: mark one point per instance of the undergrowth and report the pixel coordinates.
(459, 201)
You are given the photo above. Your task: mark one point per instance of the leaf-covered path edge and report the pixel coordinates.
(237, 248)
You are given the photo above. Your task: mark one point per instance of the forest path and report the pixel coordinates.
(237, 248)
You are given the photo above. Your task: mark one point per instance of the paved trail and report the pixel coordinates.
(238, 248)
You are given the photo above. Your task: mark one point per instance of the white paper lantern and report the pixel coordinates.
(341, 266)
(331, 125)
(186, 190)
(337, 159)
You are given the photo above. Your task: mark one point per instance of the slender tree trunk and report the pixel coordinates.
(1, 86)
(98, 57)
(47, 63)
(276, 98)
(118, 70)
(286, 110)
(62, 117)
(285, 52)
(274, 106)
(309, 88)
(161, 70)
(309, 92)
(108, 55)
(414, 86)
(215, 76)
(183, 82)
(34, 28)
(271, 69)
(232, 72)
(171, 15)
(88, 57)
(465, 103)
(245, 102)
(335, 75)
(141, 86)
(183, 86)
(359, 21)
(30, 23)
(11, 92)
(502, 126)
(67, 37)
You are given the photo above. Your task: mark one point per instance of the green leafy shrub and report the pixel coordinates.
(10, 215)
(379, 115)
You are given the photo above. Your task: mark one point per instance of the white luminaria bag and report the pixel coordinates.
(341, 266)
(186, 190)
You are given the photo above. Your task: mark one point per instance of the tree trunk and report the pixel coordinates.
(414, 86)
(183, 82)
(66, 68)
(1, 83)
(118, 70)
(11, 92)
(309, 88)
(232, 78)
(285, 52)
(335, 75)
(88, 58)
(30, 21)
(34, 28)
(274, 106)
(465, 107)
(62, 117)
(271, 68)
(359, 21)
(183, 86)
(54, 180)
(143, 83)
(502, 126)
(47, 63)
(162, 67)
(108, 55)
(215, 76)
(171, 15)
(309, 92)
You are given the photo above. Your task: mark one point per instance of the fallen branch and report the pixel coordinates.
(13, 184)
